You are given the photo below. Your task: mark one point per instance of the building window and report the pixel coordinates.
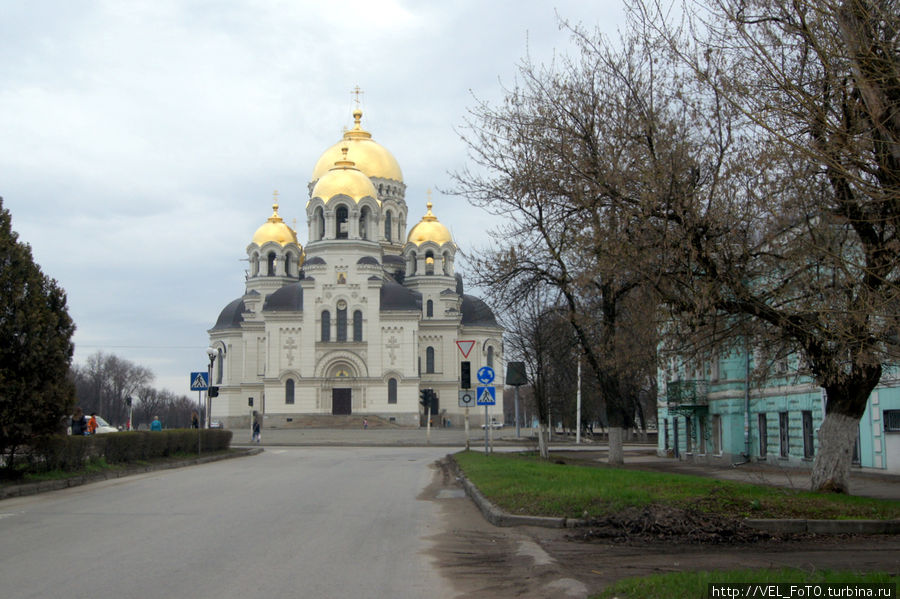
(289, 391)
(784, 440)
(429, 308)
(326, 326)
(429, 360)
(363, 220)
(717, 434)
(892, 421)
(387, 226)
(287, 265)
(220, 365)
(271, 264)
(763, 436)
(490, 357)
(341, 324)
(808, 446)
(392, 390)
(357, 325)
(320, 219)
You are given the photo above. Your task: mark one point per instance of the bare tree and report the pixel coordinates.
(105, 381)
(790, 235)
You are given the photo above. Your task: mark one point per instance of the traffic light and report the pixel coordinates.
(425, 398)
(214, 392)
(465, 375)
(128, 401)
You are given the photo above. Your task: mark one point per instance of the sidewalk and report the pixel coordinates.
(866, 483)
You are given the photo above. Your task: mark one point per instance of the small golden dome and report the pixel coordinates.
(275, 230)
(370, 157)
(429, 229)
(343, 178)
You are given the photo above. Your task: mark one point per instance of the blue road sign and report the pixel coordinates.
(487, 396)
(199, 381)
(485, 375)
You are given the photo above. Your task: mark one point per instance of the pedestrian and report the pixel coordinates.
(256, 435)
(92, 424)
(195, 419)
(365, 423)
(79, 423)
(156, 425)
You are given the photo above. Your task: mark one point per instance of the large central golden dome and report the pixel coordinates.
(370, 157)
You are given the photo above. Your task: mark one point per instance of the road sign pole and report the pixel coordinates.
(467, 428)
(487, 430)
(517, 409)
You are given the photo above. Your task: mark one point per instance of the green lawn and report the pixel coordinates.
(525, 484)
(693, 585)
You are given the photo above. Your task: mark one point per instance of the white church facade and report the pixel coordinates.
(360, 320)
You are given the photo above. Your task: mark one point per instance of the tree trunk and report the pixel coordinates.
(543, 447)
(831, 470)
(616, 452)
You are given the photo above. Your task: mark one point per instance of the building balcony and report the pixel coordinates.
(686, 394)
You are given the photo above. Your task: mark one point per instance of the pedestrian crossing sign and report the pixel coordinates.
(487, 396)
(199, 381)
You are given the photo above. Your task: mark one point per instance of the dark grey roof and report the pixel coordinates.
(231, 316)
(252, 292)
(367, 260)
(397, 297)
(374, 278)
(288, 298)
(392, 259)
(448, 292)
(476, 312)
(314, 260)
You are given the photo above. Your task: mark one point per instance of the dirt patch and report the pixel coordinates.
(674, 525)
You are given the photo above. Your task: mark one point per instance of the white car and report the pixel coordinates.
(104, 427)
(494, 424)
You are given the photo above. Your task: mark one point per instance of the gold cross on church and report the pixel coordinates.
(356, 91)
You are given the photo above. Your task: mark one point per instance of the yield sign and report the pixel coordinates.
(465, 347)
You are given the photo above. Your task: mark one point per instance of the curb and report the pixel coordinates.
(27, 489)
(498, 517)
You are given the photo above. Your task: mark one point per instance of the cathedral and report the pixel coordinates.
(361, 320)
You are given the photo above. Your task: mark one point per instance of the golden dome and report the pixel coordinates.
(429, 229)
(343, 178)
(275, 230)
(370, 157)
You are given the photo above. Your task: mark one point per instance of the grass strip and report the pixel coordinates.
(691, 585)
(522, 483)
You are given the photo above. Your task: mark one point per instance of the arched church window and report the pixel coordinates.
(387, 225)
(320, 220)
(429, 360)
(289, 391)
(357, 325)
(271, 270)
(326, 325)
(363, 220)
(287, 264)
(392, 390)
(429, 308)
(220, 365)
(429, 262)
(342, 226)
(342, 321)
(490, 357)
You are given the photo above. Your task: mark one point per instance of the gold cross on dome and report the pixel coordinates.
(428, 194)
(356, 91)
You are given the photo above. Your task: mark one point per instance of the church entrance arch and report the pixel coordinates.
(341, 404)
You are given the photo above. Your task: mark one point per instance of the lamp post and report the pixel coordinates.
(212, 353)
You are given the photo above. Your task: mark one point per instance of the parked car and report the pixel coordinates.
(103, 426)
(494, 424)
(215, 424)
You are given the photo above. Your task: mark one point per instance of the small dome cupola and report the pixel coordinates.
(429, 249)
(274, 250)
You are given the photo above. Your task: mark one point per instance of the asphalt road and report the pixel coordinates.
(290, 522)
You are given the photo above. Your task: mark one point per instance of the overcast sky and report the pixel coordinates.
(141, 141)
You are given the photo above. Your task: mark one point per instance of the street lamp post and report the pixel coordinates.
(212, 358)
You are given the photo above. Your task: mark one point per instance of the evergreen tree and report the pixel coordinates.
(35, 348)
